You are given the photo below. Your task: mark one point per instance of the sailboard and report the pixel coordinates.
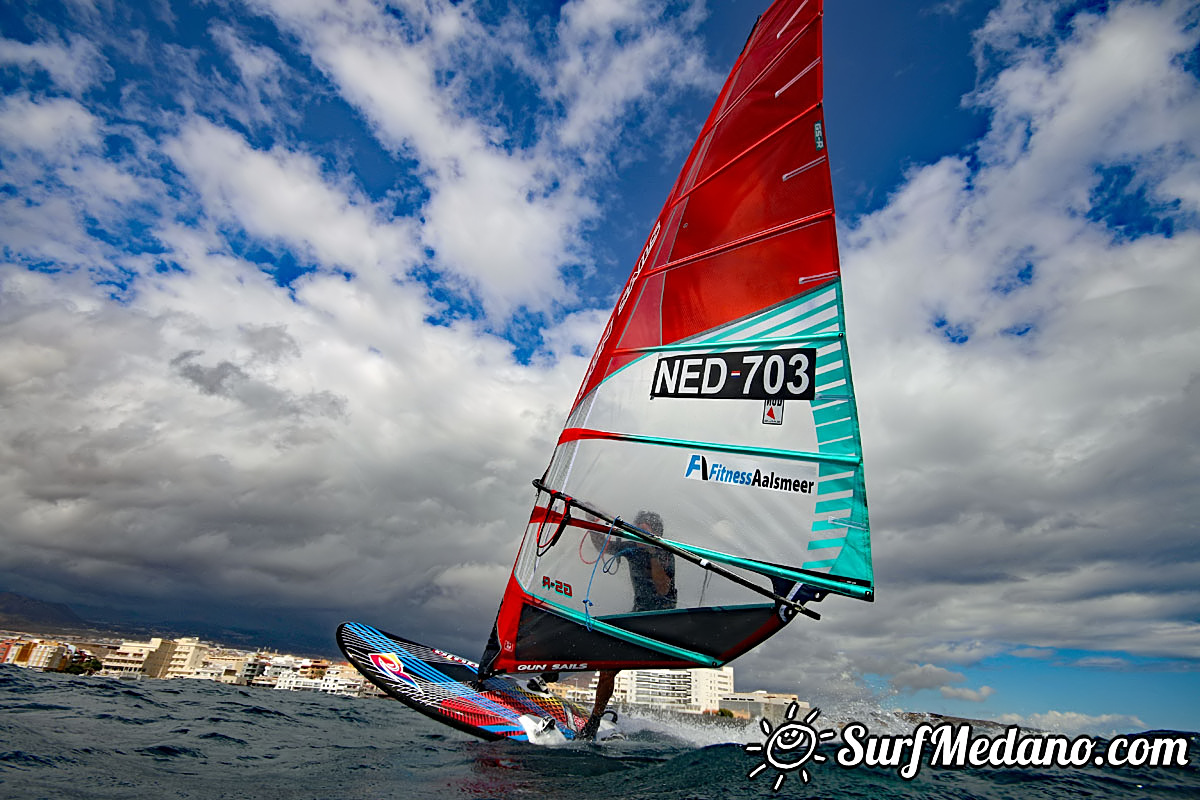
(447, 688)
(707, 486)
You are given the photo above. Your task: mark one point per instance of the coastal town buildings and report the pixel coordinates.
(771, 706)
(688, 692)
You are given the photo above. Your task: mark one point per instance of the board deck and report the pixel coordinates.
(446, 687)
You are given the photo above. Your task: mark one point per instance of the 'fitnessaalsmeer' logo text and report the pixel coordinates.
(699, 469)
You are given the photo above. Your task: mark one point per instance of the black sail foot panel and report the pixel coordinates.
(547, 637)
(711, 631)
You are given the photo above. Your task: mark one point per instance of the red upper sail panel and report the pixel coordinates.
(754, 194)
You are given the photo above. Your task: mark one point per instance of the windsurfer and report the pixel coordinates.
(652, 573)
(651, 569)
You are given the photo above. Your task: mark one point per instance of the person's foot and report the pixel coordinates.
(538, 683)
(588, 732)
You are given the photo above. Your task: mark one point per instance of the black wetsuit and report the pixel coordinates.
(641, 575)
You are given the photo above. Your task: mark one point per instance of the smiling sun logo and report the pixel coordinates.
(790, 746)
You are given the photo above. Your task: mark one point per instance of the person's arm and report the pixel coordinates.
(658, 574)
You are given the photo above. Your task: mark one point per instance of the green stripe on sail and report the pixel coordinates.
(819, 544)
(855, 557)
(831, 305)
(831, 412)
(832, 357)
(825, 506)
(828, 470)
(836, 430)
(784, 311)
(763, 568)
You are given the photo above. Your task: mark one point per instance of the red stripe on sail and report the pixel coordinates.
(575, 434)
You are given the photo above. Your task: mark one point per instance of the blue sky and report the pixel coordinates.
(295, 299)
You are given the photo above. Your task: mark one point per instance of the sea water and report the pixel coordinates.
(87, 737)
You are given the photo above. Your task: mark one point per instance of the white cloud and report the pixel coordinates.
(281, 449)
(504, 221)
(282, 195)
(971, 695)
(925, 676)
(598, 79)
(1039, 463)
(75, 67)
(261, 92)
(64, 187)
(504, 216)
(1073, 723)
(46, 126)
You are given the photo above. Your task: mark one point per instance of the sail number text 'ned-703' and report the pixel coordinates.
(787, 374)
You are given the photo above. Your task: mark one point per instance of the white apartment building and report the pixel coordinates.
(688, 691)
(339, 679)
(48, 656)
(139, 658)
(771, 706)
(293, 681)
(224, 667)
(709, 686)
(186, 658)
(342, 679)
(208, 672)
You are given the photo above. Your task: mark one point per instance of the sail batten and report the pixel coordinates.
(707, 485)
(763, 142)
(758, 236)
(728, 107)
(729, 344)
(576, 434)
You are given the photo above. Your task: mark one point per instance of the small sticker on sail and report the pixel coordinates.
(772, 412)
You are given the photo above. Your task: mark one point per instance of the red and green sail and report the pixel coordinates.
(715, 436)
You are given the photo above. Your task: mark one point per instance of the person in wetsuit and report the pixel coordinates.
(652, 573)
(652, 576)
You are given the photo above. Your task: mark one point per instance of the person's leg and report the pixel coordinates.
(605, 684)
